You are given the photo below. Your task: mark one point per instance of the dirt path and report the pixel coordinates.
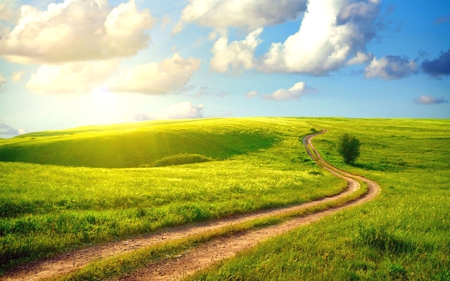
(227, 247)
(202, 256)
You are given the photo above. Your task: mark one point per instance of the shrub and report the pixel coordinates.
(349, 148)
(179, 159)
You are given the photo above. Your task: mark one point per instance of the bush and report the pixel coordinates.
(349, 148)
(179, 159)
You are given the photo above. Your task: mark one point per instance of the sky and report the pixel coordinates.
(71, 63)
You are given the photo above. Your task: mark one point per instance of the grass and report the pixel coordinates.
(47, 209)
(404, 234)
(136, 145)
(119, 266)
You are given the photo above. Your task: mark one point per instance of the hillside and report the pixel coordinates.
(136, 144)
(254, 164)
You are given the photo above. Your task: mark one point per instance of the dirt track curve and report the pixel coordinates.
(207, 253)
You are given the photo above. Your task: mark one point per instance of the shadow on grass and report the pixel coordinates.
(382, 166)
(383, 240)
(371, 166)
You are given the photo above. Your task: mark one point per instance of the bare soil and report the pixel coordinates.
(205, 255)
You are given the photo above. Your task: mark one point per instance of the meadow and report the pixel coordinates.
(54, 199)
(404, 234)
(62, 190)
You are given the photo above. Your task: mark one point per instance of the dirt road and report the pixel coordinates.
(206, 254)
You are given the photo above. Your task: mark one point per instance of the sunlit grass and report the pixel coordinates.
(47, 209)
(404, 234)
(121, 265)
(134, 146)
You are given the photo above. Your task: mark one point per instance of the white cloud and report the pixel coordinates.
(73, 77)
(182, 110)
(6, 13)
(238, 54)
(249, 14)
(22, 131)
(17, 76)
(360, 58)
(76, 30)
(293, 93)
(424, 99)
(82, 77)
(156, 78)
(330, 32)
(251, 94)
(165, 20)
(8, 131)
(391, 67)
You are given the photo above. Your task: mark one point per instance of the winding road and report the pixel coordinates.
(208, 253)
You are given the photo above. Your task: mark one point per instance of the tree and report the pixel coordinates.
(349, 148)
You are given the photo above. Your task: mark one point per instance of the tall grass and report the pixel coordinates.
(404, 234)
(48, 209)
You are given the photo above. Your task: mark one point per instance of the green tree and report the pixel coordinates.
(349, 148)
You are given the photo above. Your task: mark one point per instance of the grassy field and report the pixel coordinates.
(133, 146)
(62, 190)
(404, 234)
(138, 178)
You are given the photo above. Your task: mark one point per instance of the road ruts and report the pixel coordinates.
(206, 254)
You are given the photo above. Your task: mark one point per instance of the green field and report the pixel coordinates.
(62, 190)
(404, 234)
(65, 189)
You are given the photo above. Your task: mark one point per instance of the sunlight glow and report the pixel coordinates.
(103, 107)
(103, 98)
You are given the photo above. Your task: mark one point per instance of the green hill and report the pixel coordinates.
(49, 209)
(401, 235)
(134, 145)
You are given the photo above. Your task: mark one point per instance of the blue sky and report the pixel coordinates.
(70, 63)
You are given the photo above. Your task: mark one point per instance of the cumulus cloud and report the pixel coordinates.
(17, 76)
(424, 99)
(76, 30)
(249, 14)
(439, 66)
(391, 67)
(293, 93)
(8, 14)
(331, 31)
(82, 77)
(156, 78)
(237, 54)
(360, 58)
(73, 77)
(251, 94)
(8, 131)
(182, 110)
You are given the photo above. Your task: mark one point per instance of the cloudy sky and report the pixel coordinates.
(78, 62)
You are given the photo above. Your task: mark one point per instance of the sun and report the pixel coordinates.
(101, 97)
(103, 106)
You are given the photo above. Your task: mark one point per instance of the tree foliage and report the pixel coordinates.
(349, 148)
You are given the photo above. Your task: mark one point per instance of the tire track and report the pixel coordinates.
(206, 254)
(227, 247)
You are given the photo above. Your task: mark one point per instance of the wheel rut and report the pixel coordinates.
(208, 253)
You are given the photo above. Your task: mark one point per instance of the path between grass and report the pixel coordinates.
(206, 254)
